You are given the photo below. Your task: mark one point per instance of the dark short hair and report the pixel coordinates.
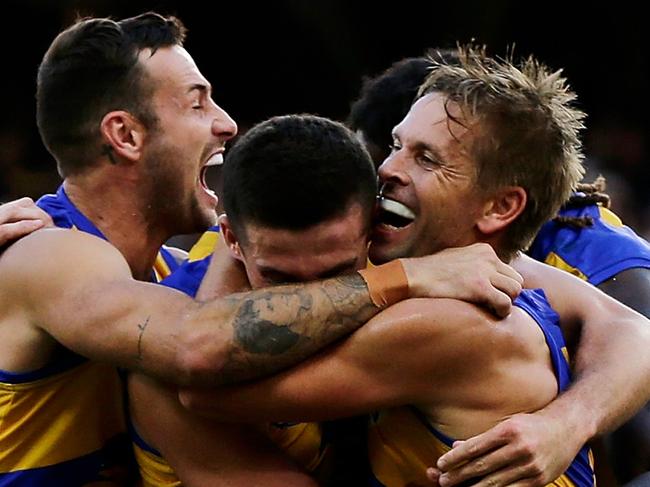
(295, 171)
(90, 69)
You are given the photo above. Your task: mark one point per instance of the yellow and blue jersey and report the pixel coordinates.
(595, 253)
(64, 424)
(303, 442)
(188, 276)
(154, 469)
(402, 443)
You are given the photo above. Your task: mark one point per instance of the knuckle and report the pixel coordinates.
(528, 451)
(536, 470)
(481, 466)
(538, 480)
(511, 430)
(473, 449)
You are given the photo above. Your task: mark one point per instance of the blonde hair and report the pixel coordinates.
(527, 131)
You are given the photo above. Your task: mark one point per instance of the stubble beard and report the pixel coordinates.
(169, 205)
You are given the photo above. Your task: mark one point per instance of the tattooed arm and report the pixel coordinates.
(81, 294)
(89, 303)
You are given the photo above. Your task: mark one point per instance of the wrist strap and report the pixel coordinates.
(387, 283)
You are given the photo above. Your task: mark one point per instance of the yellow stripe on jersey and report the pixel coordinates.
(301, 441)
(154, 470)
(555, 260)
(160, 268)
(60, 418)
(609, 217)
(401, 447)
(204, 246)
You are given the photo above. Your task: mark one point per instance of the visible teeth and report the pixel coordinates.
(397, 208)
(215, 160)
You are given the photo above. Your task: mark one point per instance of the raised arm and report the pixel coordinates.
(90, 304)
(611, 369)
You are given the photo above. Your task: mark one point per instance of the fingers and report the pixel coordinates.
(468, 450)
(484, 467)
(19, 218)
(523, 475)
(433, 474)
(22, 209)
(499, 302)
(7, 209)
(506, 284)
(509, 271)
(506, 454)
(13, 231)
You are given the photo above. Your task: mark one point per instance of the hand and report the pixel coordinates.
(19, 218)
(526, 449)
(472, 273)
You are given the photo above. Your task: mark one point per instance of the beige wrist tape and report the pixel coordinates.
(387, 283)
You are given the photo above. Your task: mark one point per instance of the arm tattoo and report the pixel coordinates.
(261, 336)
(142, 327)
(277, 327)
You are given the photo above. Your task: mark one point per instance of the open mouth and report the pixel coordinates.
(393, 213)
(214, 161)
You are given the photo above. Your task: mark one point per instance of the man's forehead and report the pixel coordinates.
(172, 64)
(428, 122)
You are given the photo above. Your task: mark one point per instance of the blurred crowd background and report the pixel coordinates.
(286, 56)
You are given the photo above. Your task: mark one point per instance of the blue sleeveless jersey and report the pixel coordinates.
(188, 276)
(64, 425)
(595, 253)
(305, 443)
(402, 443)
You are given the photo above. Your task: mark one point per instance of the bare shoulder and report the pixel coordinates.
(56, 247)
(458, 328)
(450, 327)
(53, 256)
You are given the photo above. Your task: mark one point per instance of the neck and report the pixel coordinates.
(113, 206)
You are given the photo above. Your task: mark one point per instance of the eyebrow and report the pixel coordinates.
(338, 269)
(278, 275)
(203, 88)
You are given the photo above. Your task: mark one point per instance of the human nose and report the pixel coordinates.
(394, 169)
(223, 126)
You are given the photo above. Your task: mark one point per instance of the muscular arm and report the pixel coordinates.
(203, 452)
(86, 299)
(611, 365)
(78, 289)
(408, 354)
(611, 370)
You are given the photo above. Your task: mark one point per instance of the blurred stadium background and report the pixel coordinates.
(284, 56)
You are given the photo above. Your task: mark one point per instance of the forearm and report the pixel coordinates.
(611, 376)
(274, 328)
(269, 329)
